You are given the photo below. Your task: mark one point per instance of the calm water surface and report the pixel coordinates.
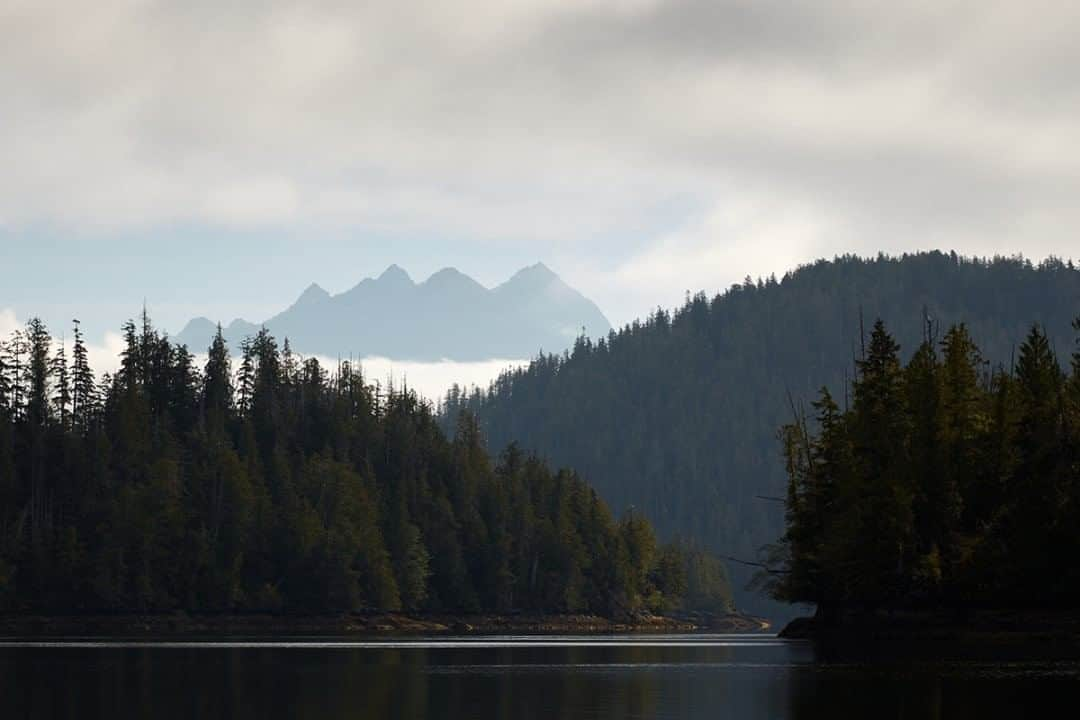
(679, 676)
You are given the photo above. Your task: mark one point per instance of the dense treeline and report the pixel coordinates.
(676, 415)
(283, 487)
(942, 483)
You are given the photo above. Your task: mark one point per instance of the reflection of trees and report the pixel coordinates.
(505, 683)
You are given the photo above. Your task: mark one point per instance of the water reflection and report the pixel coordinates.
(706, 678)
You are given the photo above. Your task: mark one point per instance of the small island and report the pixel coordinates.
(935, 513)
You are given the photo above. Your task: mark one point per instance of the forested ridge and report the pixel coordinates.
(942, 484)
(279, 486)
(676, 415)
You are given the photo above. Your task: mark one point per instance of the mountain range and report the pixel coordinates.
(449, 316)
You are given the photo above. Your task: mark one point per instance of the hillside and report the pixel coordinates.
(290, 488)
(677, 415)
(448, 316)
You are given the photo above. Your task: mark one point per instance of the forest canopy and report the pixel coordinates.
(281, 486)
(942, 483)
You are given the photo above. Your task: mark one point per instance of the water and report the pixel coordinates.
(677, 676)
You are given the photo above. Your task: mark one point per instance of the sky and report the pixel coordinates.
(215, 158)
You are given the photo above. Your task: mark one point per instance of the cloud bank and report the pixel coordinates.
(649, 146)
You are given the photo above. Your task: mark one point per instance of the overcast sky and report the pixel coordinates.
(216, 157)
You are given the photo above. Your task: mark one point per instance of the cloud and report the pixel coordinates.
(8, 322)
(104, 355)
(613, 134)
(252, 202)
(746, 236)
(432, 379)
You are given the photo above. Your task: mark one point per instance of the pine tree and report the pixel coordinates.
(245, 381)
(83, 387)
(289, 363)
(885, 544)
(16, 372)
(183, 388)
(1039, 384)
(147, 341)
(936, 500)
(38, 373)
(62, 397)
(217, 390)
(130, 359)
(1036, 488)
(5, 380)
(963, 422)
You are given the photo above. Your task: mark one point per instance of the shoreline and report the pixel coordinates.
(361, 624)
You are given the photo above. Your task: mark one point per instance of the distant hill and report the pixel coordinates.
(677, 415)
(448, 316)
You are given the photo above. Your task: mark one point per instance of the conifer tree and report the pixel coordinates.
(245, 380)
(38, 373)
(16, 348)
(130, 358)
(963, 421)
(5, 380)
(62, 396)
(936, 502)
(1039, 385)
(880, 427)
(83, 387)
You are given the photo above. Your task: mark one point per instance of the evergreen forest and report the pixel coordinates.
(939, 483)
(676, 415)
(281, 486)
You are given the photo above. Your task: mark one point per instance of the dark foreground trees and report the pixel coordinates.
(281, 486)
(944, 484)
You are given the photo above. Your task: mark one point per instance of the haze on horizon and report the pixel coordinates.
(214, 159)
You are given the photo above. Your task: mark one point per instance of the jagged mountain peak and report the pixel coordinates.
(451, 279)
(531, 280)
(313, 293)
(447, 272)
(448, 316)
(395, 274)
(537, 272)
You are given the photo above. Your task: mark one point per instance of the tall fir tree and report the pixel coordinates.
(83, 386)
(880, 425)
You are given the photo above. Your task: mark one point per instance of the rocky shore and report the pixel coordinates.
(30, 626)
